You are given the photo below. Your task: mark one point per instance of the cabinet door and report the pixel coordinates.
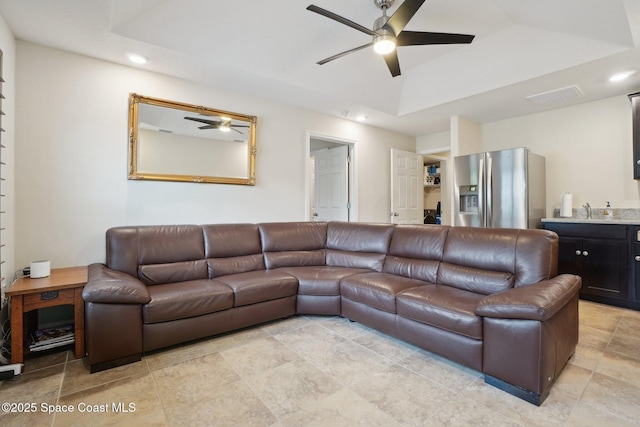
(604, 267)
(570, 256)
(636, 270)
(635, 107)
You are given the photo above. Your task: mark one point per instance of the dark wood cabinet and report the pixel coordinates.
(635, 109)
(604, 267)
(602, 255)
(569, 256)
(635, 255)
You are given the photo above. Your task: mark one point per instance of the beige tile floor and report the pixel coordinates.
(327, 371)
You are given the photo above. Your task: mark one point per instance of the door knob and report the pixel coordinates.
(585, 253)
(315, 214)
(637, 258)
(395, 214)
(578, 253)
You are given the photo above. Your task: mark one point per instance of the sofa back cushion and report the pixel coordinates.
(476, 280)
(158, 254)
(536, 256)
(122, 250)
(489, 260)
(232, 248)
(479, 259)
(415, 251)
(293, 244)
(358, 245)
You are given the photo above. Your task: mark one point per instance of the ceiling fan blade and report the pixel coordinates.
(416, 38)
(208, 127)
(209, 122)
(340, 19)
(331, 58)
(403, 15)
(392, 62)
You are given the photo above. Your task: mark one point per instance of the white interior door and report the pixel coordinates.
(406, 188)
(331, 198)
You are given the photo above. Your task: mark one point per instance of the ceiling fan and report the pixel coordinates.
(223, 125)
(388, 33)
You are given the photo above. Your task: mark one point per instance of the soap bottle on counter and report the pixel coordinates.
(608, 213)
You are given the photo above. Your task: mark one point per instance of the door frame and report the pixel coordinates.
(446, 183)
(351, 176)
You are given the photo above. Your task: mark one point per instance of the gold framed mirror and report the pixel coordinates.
(174, 141)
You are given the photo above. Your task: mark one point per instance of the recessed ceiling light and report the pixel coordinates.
(621, 76)
(137, 59)
(361, 118)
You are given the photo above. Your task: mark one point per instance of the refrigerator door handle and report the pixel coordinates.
(489, 218)
(481, 192)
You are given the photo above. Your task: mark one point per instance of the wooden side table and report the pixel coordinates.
(63, 286)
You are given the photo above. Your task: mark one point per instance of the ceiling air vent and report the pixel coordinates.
(556, 96)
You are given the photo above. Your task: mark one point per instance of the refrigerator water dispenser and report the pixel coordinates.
(468, 199)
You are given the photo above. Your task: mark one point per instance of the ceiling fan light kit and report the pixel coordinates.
(384, 44)
(388, 33)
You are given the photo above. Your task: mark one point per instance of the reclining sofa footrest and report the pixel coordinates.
(519, 392)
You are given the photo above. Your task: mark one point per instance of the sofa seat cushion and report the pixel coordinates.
(444, 307)
(173, 301)
(259, 286)
(377, 290)
(321, 280)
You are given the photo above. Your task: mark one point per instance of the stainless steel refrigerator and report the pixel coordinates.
(499, 189)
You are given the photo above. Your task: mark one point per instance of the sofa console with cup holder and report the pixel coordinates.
(486, 298)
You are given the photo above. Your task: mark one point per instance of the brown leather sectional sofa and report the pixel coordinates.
(485, 298)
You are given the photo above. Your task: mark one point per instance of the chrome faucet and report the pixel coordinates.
(587, 207)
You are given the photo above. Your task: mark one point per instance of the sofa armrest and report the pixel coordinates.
(112, 286)
(538, 301)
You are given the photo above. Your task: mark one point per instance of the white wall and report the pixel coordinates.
(8, 46)
(434, 143)
(588, 151)
(466, 136)
(71, 158)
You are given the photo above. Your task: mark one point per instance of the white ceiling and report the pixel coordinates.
(270, 49)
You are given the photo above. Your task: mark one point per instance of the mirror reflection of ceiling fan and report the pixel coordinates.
(388, 33)
(223, 125)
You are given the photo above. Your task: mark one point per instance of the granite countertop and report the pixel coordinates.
(623, 216)
(593, 221)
